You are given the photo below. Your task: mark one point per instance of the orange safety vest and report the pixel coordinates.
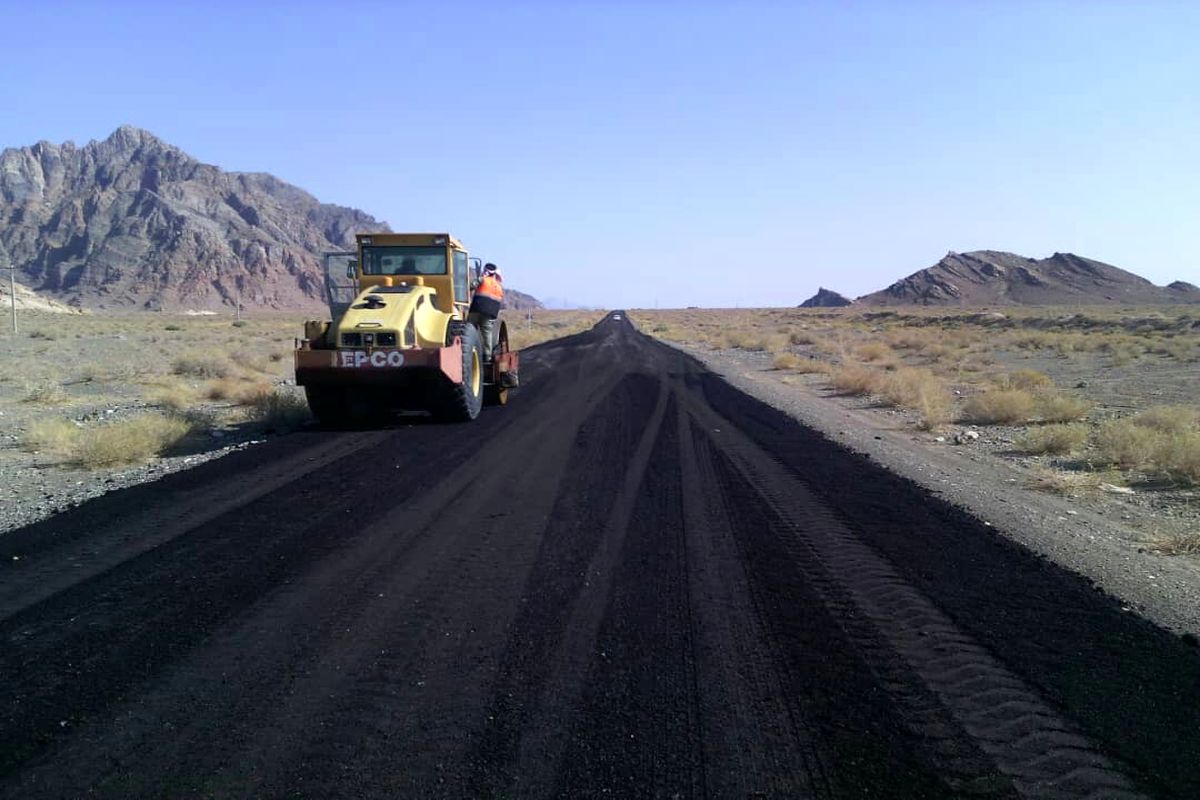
(491, 287)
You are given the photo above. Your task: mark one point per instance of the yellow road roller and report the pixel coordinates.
(400, 337)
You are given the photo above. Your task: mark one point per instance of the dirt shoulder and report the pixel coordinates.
(1100, 536)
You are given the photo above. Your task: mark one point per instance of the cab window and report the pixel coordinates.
(461, 277)
(404, 260)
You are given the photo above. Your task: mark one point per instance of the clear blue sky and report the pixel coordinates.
(684, 153)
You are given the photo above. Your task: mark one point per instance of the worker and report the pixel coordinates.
(486, 304)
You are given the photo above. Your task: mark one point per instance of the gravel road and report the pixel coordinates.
(634, 581)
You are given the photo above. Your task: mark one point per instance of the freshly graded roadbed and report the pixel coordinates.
(634, 581)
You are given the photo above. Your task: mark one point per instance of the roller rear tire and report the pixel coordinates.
(464, 399)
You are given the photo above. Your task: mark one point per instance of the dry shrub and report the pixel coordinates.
(1163, 440)
(774, 342)
(909, 339)
(1128, 445)
(243, 391)
(1178, 349)
(1033, 340)
(743, 340)
(1064, 483)
(1028, 379)
(1180, 457)
(1055, 407)
(801, 337)
(1169, 419)
(1175, 544)
(176, 397)
(251, 360)
(824, 345)
(785, 361)
(810, 366)
(854, 380)
(46, 394)
(129, 441)
(51, 436)
(279, 410)
(937, 352)
(1055, 440)
(750, 340)
(921, 390)
(873, 351)
(221, 389)
(202, 365)
(999, 406)
(1122, 356)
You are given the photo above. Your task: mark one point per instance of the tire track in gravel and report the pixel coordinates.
(1126, 684)
(1039, 753)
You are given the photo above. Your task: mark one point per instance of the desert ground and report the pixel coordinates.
(93, 402)
(1095, 404)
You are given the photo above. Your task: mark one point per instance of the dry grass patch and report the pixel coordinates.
(1030, 380)
(45, 394)
(1064, 483)
(874, 351)
(812, 366)
(280, 410)
(242, 391)
(51, 436)
(854, 380)
(785, 361)
(202, 365)
(129, 441)
(1055, 440)
(1180, 457)
(1169, 419)
(1157, 441)
(758, 342)
(176, 397)
(1056, 407)
(1128, 445)
(999, 406)
(1177, 544)
(921, 390)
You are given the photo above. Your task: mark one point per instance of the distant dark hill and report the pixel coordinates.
(826, 298)
(990, 277)
(134, 222)
(519, 301)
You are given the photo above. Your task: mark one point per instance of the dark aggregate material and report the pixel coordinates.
(582, 594)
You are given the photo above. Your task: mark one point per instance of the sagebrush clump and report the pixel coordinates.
(129, 441)
(999, 406)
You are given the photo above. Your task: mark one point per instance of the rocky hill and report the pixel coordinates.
(519, 301)
(134, 222)
(990, 277)
(826, 298)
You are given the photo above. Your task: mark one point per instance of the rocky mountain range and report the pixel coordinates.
(991, 277)
(134, 222)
